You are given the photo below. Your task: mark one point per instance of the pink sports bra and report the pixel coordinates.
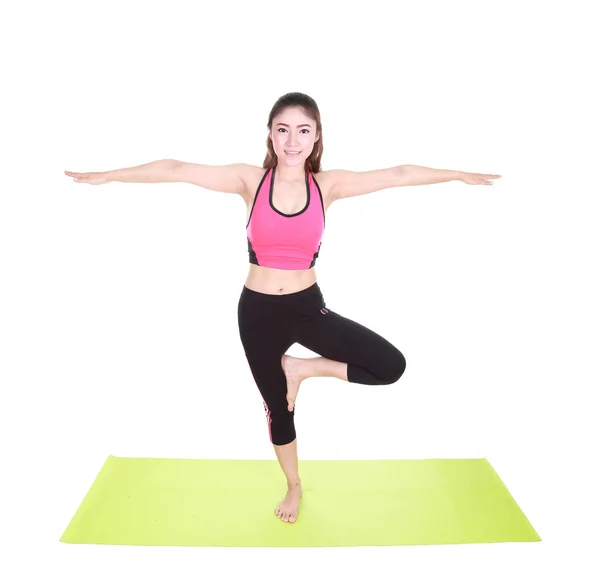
(285, 241)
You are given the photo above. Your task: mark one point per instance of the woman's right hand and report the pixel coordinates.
(89, 177)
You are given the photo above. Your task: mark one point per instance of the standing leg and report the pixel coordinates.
(265, 340)
(271, 381)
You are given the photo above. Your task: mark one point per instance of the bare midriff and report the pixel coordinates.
(275, 281)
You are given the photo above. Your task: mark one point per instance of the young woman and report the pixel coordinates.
(281, 303)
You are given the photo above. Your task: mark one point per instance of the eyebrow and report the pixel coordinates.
(304, 125)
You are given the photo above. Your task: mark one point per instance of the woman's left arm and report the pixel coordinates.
(417, 175)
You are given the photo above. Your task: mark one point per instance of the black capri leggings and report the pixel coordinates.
(270, 323)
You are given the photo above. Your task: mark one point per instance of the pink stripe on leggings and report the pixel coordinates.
(269, 420)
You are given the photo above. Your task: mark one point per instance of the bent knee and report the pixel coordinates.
(397, 367)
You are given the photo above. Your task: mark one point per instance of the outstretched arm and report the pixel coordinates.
(347, 183)
(416, 175)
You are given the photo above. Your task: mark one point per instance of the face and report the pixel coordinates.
(292, 130)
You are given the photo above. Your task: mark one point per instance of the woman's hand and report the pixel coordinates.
(469, 178)
(89, 177)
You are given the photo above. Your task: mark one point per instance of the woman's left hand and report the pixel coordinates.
(469, 178)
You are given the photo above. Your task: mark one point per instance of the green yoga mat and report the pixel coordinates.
(148, 501)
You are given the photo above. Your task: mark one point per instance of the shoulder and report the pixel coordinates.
(253, 174)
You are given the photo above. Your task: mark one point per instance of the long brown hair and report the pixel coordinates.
(310, 108)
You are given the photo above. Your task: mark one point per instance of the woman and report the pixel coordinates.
(281, 303)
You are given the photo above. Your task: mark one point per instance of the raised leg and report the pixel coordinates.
(298, 369)
(368, 357)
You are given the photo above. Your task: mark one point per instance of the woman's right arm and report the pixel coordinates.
(220, 178)
(155, 171)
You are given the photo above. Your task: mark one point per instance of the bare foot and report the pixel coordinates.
(292, 367)
(287, 510)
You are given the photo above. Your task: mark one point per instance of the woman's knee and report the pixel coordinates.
(281, 424)
(395, 366)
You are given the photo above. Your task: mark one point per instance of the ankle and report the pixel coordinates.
(296, 483)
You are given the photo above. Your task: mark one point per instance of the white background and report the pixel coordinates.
(119, 302)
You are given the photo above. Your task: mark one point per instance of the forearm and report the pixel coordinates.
(155, 171)
(416, 175)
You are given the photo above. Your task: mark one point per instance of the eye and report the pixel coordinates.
(282, 129)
